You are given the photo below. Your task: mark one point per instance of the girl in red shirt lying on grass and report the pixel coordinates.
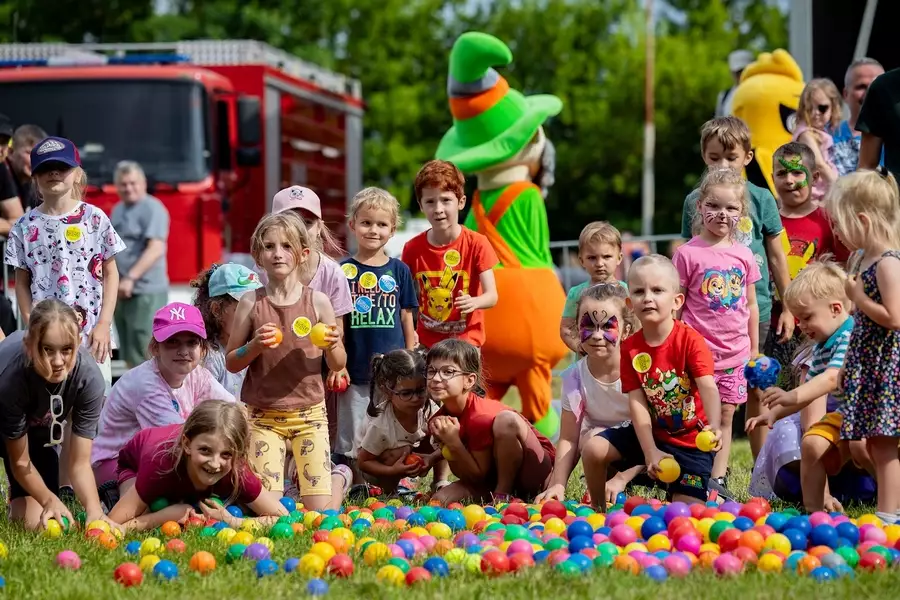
(491, 448)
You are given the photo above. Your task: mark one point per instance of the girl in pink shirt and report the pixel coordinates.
(717, 276)
(161, 391)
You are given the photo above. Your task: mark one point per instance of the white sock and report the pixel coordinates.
(888, 518)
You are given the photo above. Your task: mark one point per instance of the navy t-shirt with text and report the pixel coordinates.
(373, 327)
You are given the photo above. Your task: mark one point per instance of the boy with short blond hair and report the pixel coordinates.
(600, 254)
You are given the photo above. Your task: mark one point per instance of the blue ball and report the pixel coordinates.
(791, 563)
(437, 566)
(416, 520)
(291, 564)
(579, 543)
(844, 571)
(841, 542)
(604, 530)
(133, 547)
(651, 527)
(777, 521)
(165, 569)
(762, 372)
(743, 523)
(317, 587)
(579, 527)
(848, 531)
(823, 535)
(235, 511)
(801, 523)
(471, 549)
(796, 537)
(288, 503)
(642, 509)
(220, 526)
(621, 498)
(656, 573)
(583, 562)
(490, 510)
(408, 549)
(266, 567)
(2, 582)
(823, 574)
(540, 556)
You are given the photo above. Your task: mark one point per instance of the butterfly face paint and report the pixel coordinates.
(794, 165)
(597, 322)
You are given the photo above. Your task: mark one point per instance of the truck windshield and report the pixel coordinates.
(158, 123)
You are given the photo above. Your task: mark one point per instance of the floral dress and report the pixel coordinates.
(871, 405)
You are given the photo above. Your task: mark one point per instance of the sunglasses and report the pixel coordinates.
(56, 425)
(823, 108)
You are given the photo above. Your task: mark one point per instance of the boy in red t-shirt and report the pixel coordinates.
(451, 265)
(806, 237)
(667, 372)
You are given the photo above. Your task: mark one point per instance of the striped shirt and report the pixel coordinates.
(830, 353)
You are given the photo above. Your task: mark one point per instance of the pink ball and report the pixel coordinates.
(599, 538)
(728, 564)
(865, 547)
(396, 551)
(519, 547)
(819, 518)
(648, 560)
(428, 542)
(418, 547)
(637, 555)
(870, 533)
(689, 543)
(835, 521)
(622, 535)
(616, 518)
(677, 565)
(68, 560)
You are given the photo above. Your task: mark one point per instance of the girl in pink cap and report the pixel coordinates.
(161, 391)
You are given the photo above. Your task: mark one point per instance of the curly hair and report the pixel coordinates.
(210, 307)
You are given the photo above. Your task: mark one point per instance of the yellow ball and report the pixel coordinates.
(555, 525)
(893, 534)
(634, 546)
(375, 553)
(310, 518)
(535, 518)
(151, 546)
(4, 551)
(370, 501)
(225, 535)
(323, 549)
(706, 441)
(98, 524)
(266, 542)
(362, 542)
(242, 537)
(311, 565)
(473, 514)
(596, 520)
(250, 525)
(724, 516)
(870, 520)
(635, 523)
(446, 453)
(659, 541)
(117, 533)
(54, 529)
(317, 335)
(391, 575)
(779, 543)
(473, 563)
(769, 563)
(669, 470)
(504, 546)
(761, 520)
(710, 547)
(456, 556)
(395, 502)
(419, 531)
(704, 525)
(148, 562)
(441, 531)
(345, 534)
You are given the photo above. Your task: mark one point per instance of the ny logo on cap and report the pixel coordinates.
(51, 146)
(296, 193)
(177, 314)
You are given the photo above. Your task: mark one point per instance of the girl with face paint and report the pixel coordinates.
(592, 398)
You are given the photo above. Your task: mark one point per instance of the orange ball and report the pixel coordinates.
(297, 527)
(203, 562)
(706, 559)
(339, 543)
(807, 564)
(108, 541)
(752, 540)
(170, 529)
(414, 459)
(624, 562)
(819, 551)
(442, 547)
(279, 337)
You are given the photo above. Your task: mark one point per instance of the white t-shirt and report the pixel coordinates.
(595, 403)
(385, 432)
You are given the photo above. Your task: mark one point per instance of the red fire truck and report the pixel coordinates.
(218, 127)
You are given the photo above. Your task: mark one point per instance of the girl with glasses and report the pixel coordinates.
(818, 115)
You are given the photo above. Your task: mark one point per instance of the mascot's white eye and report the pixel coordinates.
(788, 117)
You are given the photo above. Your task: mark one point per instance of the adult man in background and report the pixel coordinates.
(143, 224)
(19, 163)
(860, 75)
(737, 62)
(10, 211)
(879, 122)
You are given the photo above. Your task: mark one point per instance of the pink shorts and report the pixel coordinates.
(732, 385)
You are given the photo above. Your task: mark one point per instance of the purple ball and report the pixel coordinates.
(730, 507)
(676, 509)
(467, 539)
(256, 552)
(403, 512)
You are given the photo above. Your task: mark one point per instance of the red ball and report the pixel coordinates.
(684, 530)
(557, 556)
(455, 506)
(495, 563)
(194, 522)
(765, 530)
(340, 385)
(516, 509)
(176, 545)
(762, 502)
(709, 513)
(632, 503)
(321, 535)
(553, 508)
(94, 533)
(586, 499)
(591, 553)
(728, 539)
(128, 574)
(697, 510)
(744, 553)
(520, 562)
(676, 523)
(340, 565)
(417, 574)
(753, 511)
(512, 520)
(872, 561)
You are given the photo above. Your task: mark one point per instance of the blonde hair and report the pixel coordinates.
(599, 232)
(872, 193)
(720, 177)
(220, 418)
(657, 260)
(730, 132)
(806, 107)
(287, 223)
(79, 186)
(375, 198)
(44, 314)
(820, 280)
(326, 242)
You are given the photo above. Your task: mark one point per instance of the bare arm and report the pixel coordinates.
(409, 328)
(24, 471)
(753, 321)
(568, 334)
(243, 345)
(369, 463)
(154, 250)
(640, 420)
(778, 266)
(110, 292)
(712, 404)
(488, 297)
(335, 354)
(811, 139)
(23, 293)
(566, 450)
(11, 209)
(886, 314)
(869, 151)
(82, 475)
(131, 511)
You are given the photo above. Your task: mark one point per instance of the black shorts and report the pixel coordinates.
(696, 466)
(45, 461)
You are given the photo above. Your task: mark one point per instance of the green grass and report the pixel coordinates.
(30, 572)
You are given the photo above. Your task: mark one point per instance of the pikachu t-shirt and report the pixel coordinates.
(442, 274)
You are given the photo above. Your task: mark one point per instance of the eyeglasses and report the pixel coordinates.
(56, 425)
(444, 373)
(823, 108)
(407, 395)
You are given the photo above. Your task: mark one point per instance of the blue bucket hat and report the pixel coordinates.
(232, 279)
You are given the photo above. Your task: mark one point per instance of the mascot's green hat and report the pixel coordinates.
(492, 121)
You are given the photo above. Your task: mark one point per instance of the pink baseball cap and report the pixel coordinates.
(177, 317)
(297, 197)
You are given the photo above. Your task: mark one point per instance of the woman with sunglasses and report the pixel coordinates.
(818, 115)
(47, 378)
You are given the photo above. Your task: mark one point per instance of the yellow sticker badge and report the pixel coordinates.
(452, 258)
(641, 362)
(73, 233)
(301, 327)
(368, 280)
(349, 270)
(745, 225)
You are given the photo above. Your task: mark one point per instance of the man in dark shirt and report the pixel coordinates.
(10, 207)
(24, 139)
(879, 122)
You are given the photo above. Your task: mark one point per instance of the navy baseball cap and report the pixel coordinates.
(54, 150)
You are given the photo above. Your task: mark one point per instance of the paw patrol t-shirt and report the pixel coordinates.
(442, 274)
(65, 256)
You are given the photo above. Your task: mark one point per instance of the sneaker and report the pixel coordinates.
(346, 475)
(719, 486)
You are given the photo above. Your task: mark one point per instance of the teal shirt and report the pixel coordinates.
(570, 311)
(766, 223)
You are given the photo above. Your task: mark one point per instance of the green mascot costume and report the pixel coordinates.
(497, 136)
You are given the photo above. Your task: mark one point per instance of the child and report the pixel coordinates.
(806, 237)
(64, 248)
(818, 299)
(271, 335)
(667, 371)
(716, 275)
(161, 391)
(452, 264)
(600, 253)
(865, 209)
(384, 299)
(592, 398)
(725, 142)
(491, 448)
(396, 428)
(218, 290)
(819, 113)
(183, 464)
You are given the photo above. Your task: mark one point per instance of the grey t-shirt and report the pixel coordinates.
(215, 364)
(137, 224)
(25, 395)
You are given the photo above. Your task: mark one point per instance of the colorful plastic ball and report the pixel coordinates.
(288, 503)
(656, 573)
(553, 508)
(677, 565)
(717, 528)
(823, 535)
(579, 527)
(266, 567)
(495, 563)
(148, 562)
(779, 543)
(170, 529)
(311, 565)
(53, 529)
(67, 559)
(472, 564)
(437, 566)
(203, 562)
(584, 563)
(133, 547)
(128, 574)
(340, 565)
(727, 564)
(626, 563)
(850, 555)
(872, 561)
(391, 575)
(376, 553)
(567, 568)
(158, 504)
(256, 552)
(622, 535)
(796, 537)
(762, 372)
(669, 470)
(579, 543)
(652, 526)
(417, 575)
(165, 569)
(520, 562)
(770, 563)
(235, 553)
(281, 531)
(317, 587)
(821, 573)
(2, 582)
(151, 545)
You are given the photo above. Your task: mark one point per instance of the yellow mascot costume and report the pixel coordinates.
(766, 100)
(497, 136)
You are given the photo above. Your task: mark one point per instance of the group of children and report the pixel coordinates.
(232, 400)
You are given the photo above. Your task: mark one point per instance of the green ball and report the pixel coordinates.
(281, 531)
(285, 519)
(884, 552)
(556, 544)
(297, 516)
(584, 511)
(235, 553)
(568, 569)
(495, 527)
(216, 500)
(365, 545)
(329, 523)
(429, 513)
(604, 560)
(608, 549)
(717, 528)
(791, 511)
(383, 513)
(158, 504)
(208, 532)
(850, 555)
(515, 532)
(65, 523)
(81, 518)
(400, 563)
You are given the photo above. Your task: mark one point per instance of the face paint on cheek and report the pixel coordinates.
(591, 323)
(586, 327)
(795, 166)
(611, 330)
